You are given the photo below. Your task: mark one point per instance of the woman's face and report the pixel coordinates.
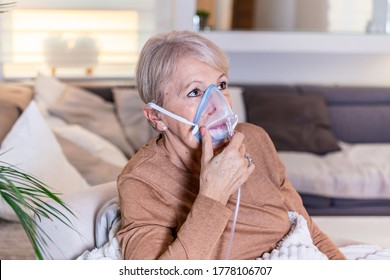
(183, 95)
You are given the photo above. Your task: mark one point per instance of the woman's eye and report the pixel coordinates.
(222, 86)
(195, 93)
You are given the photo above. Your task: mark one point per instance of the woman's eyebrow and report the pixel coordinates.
(223, 75)
(187, 85)
(184, 86)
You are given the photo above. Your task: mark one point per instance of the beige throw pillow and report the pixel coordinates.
(95, 170)
(9, 113)
(130, 113)
(15, 94)
(14, 99)
(79, 106)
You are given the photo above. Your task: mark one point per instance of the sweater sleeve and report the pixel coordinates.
(201, 231)
(149, 225)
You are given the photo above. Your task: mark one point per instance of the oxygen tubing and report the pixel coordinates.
(229, 247)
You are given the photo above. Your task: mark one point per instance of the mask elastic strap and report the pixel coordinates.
(172, 115)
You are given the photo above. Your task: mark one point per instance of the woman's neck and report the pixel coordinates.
(181, 156)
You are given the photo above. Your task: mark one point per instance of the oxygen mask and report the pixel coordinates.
(213, 112)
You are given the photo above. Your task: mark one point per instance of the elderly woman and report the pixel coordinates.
(180, 193)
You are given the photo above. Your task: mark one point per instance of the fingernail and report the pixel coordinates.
(202, 131)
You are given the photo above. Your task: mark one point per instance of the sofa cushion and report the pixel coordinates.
(129, 107)
(238, 104)
(67, 243)
(18, 95)
(78, 106)
(47, 91)
(9, 113)
(88, 141)
(348, 95)
(357, 114)
(294, 122)
(13, 99)
(361, 123)
(32, 147)
(94, 170)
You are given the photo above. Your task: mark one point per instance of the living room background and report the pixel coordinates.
(78, 38)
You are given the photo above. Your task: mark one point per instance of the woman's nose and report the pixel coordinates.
(211, 110)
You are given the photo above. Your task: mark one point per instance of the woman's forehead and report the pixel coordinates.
(190, 70)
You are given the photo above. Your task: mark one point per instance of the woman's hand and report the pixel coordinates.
(221, 175)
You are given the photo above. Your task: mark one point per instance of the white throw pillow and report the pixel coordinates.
(238, 103)
(32, 147)
(47, 91)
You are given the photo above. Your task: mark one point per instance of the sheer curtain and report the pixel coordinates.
(79, 38)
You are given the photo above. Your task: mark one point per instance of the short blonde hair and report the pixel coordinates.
(161, 54)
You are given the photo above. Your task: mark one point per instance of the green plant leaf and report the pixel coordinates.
(29, 197)
(202, 13)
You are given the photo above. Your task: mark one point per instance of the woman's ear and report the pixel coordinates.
(154, 119)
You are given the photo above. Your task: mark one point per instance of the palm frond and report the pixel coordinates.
(29, 198)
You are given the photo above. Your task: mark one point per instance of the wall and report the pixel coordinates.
(314, 58)
(290, 68)
(343, 59)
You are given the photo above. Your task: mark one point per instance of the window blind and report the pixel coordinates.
(79, 38)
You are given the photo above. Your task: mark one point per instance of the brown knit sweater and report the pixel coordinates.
(163, 217)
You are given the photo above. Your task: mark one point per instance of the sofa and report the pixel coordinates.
(333, 140)
(313, 127)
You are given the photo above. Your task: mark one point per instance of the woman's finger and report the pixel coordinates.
(207, 146)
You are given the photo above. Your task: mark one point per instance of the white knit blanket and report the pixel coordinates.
(296, 245)
(108, 222)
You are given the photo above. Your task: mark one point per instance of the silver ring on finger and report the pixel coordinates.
(249, 159)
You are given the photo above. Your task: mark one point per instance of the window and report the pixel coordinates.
(79, 38)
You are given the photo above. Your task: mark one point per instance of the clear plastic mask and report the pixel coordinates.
(213, 112)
